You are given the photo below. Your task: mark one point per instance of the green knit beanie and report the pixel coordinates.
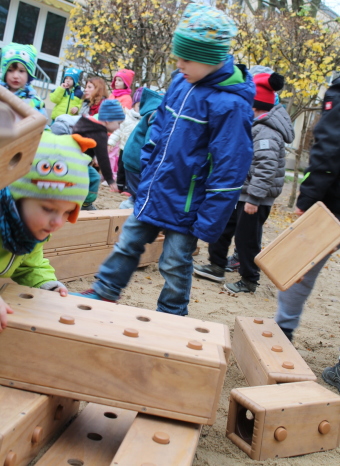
(59, 171)
(24, 54)
(203, 35)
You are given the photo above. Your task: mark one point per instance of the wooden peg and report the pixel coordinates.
(11, 459)
(324, 427)
(161, 437)
(68, 320)
(194, 344)
(37, 434)
(280, 434)
(131, 332)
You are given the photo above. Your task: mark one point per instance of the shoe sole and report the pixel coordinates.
(330, 382)
(211, 277)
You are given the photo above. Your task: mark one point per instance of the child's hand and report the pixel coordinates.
(62, 290)
(4, 310)
(74, 110)
(64, 85)
(250, 208)
(114, 188)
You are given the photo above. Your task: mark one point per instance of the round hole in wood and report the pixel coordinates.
(143, 319)
(324, 427)
(15, 160)
(258, 321)
(280, 434)
(202, 330)
(110, 415)
(267, 334)
(161, 437)
(94, 436)
(84, 307)
(10, 459)
(116, 229)
(75, 462)
(194, 344)
(26, 296)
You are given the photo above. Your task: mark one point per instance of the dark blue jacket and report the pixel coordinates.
(199, 154)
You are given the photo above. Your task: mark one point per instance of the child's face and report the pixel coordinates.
(194, 71)
(112, 125)
(45, 216)
(68, 81)
(119, 83)
(16, 76)
(89, 90)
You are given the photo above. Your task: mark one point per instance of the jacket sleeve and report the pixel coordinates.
(264, 164)
(57, 95)
(230, 152)
(154, 134)
(324, 162)
(115, 137)
(34, 270)
(100, 151)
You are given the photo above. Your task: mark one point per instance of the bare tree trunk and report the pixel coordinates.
(292, 198)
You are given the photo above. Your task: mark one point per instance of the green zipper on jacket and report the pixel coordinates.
(190, 193)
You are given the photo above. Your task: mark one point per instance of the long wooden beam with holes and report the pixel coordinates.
(111, 354)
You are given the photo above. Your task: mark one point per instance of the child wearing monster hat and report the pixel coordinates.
(37, 205)
(18, 64)
(68, 96)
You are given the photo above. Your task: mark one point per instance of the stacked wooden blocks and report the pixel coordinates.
(129, 360)
(78, 250)
(20, 138)
(266, 419)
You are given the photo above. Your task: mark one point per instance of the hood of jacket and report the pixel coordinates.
(149, 102)
(231, 78)
(279, 120)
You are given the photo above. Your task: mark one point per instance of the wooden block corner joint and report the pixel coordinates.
(25, 126)
(265, 355)
(268, 421)
(297, 249)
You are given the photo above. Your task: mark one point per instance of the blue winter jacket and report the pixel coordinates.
(199, 153)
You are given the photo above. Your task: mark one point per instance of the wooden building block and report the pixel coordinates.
(140, 360)
(118, 218)
(92, 439)
(157, 441)
(17, 154)
(28, 421)
(284, 420)
(265, 355)
(294, 252)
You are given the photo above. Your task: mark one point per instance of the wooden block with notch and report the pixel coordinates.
(17, 153)
(279, 421)
(302, 245)
(28, 421)
(265, 355)
(92, 439)
(152, 440)
(109, 354)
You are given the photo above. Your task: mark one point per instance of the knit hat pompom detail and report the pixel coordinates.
(203, 35)
(126, 75)
(111, 110)
(266, 85)
(59, 172)
(18, 53)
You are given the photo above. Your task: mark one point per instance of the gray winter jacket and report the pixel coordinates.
(266, 174)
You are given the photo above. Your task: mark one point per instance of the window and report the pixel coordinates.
(4, 6)
(26, 23)
(53, 35)
(51, 69)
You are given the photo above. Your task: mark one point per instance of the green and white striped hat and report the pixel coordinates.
(59, 171)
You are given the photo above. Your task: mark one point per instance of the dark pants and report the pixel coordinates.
(247, 230)
(121, 182)
(132, 182)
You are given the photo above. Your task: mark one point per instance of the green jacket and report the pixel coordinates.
(29, 270)
(65, 99)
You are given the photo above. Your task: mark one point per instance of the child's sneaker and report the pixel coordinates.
(331, 375)
(233, 263)
(212, 271)
(242, 286)
(92, 295)
(105, 183)
(88, 207)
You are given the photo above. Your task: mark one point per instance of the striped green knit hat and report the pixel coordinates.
(203, 35)
(59, 171)
(24, 54)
